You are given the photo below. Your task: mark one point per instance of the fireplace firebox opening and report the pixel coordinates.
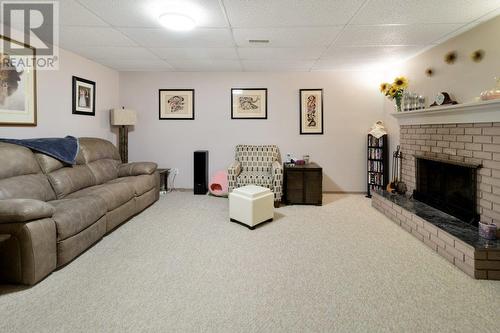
(448, 186)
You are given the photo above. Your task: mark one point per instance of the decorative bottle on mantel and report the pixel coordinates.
(493, 93)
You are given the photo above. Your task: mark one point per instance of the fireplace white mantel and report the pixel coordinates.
(477, 112)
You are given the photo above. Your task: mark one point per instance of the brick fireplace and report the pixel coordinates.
(474, 143)
(468, 136)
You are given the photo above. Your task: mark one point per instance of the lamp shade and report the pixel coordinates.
(120, 117)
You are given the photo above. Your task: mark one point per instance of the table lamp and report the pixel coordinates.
(123, 118)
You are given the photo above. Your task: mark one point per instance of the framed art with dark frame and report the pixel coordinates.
(18, 86)
(311, 111)
(83, 96)
(248, 103)
(176, 104)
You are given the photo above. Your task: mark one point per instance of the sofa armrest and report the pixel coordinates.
(30, 254)
(232, 173)
(136, 169)
(22, 210)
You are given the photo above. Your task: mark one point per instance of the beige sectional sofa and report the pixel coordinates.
(53, 212)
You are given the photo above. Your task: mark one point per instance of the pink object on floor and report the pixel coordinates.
(218, 184)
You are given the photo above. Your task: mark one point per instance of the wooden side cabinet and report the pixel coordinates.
(302, 184)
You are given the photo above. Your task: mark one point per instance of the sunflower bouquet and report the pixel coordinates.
(395, 90)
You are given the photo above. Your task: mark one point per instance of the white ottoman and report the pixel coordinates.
(251, 205)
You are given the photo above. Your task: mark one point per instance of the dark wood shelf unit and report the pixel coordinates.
(302, 184)
(377, 174)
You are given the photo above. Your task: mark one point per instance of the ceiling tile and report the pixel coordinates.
(276, 65)
(159, 38)
(423, 11)
(366, 52)
(287, 37)
(135, 64)
(134, 13)
(92, 36)
(115, 53)
(414, 34)
(272, 53)
(290, 13)
(368, 56)
(206, 65)
(223, 53)
(72, 13)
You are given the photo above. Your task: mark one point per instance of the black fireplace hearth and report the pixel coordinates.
(448, 186)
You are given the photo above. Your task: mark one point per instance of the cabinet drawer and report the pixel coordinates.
(313, 178)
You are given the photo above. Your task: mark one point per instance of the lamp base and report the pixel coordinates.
(123, 143)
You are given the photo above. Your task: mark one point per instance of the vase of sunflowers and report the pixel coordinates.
(394, 91)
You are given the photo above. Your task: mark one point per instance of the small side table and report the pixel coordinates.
(302, 184)
(164, 180)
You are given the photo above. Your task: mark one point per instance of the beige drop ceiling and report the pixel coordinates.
(305, 35)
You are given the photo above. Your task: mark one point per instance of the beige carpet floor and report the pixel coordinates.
(180, 266)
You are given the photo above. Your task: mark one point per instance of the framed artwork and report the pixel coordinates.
(83, 96)
(176, 104)
(311, 111)
(249, 103)
(17, 87)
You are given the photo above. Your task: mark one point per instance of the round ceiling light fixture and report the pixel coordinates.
(177, 22)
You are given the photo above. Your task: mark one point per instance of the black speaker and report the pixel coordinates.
(200, 172)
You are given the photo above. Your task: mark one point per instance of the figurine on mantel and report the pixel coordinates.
(443, 98)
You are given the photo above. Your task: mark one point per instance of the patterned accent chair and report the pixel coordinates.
(257, 165)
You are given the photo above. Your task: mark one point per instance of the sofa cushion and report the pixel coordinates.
(94, 149)
(20, 175)
(256, 178)
(136, 169)
(16, 161)
(48, 163)
(114, 195)
(75, 215)
(71, 179)
(141, 184)
(34, 186)
(104, 170)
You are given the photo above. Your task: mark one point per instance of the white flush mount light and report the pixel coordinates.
(177, 22)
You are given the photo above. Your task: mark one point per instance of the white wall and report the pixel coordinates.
(464, 79)
(351, 105)
(54, 102)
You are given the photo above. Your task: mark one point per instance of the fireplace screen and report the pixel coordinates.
(447, 186)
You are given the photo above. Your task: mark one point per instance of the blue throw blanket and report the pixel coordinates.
(62, 149)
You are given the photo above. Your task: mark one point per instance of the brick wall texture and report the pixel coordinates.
(469, 143)
(479, 264)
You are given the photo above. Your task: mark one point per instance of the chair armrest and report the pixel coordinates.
(234, 168)
(22, 210)
(136, 169)
(232, 173)
(276, 168)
